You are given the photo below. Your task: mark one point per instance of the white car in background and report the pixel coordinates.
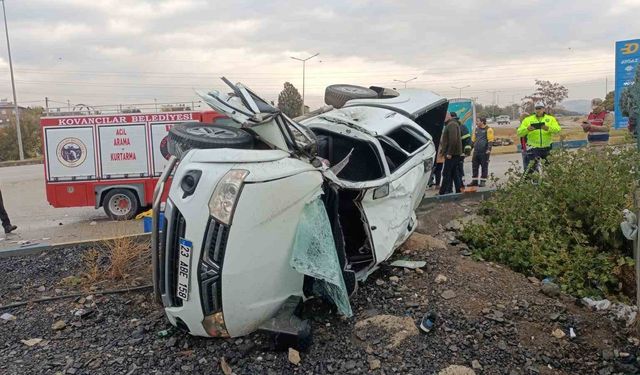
(264, 211)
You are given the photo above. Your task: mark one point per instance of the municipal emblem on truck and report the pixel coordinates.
(71, 152)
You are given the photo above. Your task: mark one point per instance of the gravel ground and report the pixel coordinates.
(488, 318)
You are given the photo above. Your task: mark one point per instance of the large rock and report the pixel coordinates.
(390, 330)
(550, 289)
(457, 370)
(458, 225)
(419, 241)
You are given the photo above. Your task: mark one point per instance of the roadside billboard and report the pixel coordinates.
(466, 111)
(627, 59)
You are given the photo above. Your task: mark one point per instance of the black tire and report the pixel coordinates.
(121, 204)
(186, 136)
(338, 95)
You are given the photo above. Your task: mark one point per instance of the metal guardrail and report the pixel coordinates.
(155, 232)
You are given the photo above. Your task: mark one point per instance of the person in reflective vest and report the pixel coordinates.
(539, 129)
(598, 124)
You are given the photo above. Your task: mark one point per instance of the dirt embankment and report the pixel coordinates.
(489, 320)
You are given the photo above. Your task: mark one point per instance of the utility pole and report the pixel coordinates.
(460, 88)
(68, 105)
(405, 82)
(155, 101)
(304, 62)
(46, 105)
(16, 109)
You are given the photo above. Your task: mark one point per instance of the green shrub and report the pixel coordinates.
(567, 225)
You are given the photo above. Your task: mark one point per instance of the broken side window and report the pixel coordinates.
(314, 254)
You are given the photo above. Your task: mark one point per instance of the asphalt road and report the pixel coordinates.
(25, 200)
(498, 167)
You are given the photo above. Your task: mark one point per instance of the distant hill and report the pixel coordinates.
(581, 106)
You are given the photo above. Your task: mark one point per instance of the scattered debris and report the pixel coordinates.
(165, 333)
(93, 223)
(226, 369)
(597, 305)
(558, 333)
(31, 342)
(572, 333)
(59, 325)
(394, 279)
(428, 321)
(448, 294)
(294, 356)
(457, 370)
(617, 311)
(41, 288)
(410, 264)
(7, 317)
(441, 279)
(379, 282)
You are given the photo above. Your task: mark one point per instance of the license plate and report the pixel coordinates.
(184, 269)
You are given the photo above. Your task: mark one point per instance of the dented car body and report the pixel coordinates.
(239, 235)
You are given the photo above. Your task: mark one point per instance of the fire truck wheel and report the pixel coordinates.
(184, 137)
(120, 204)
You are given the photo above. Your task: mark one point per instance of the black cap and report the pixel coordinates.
(453, 114)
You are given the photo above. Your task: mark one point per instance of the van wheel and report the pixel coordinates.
(120, 204)
(338, 95)
(186, 136)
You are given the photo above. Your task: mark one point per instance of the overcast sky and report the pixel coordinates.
(134, 51)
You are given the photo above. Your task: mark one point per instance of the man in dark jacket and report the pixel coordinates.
(482, 141)
(451, 145)
(465, 137)
(6, 222)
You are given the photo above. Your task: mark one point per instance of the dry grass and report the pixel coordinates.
(124, 260)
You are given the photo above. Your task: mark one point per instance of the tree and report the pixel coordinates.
(609, 101)
(31, 135)
(290, 101)
(549, 92)
(630, 97)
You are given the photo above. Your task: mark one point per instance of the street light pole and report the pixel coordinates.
(405, 82)
(460, 88)
(304, 62)
(13, 87)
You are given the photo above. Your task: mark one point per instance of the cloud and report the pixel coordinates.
(81, 50)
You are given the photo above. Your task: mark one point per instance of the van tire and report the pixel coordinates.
(120, 204)
(338, 95)
(186, 136)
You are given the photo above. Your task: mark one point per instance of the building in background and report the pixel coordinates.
(7, 112)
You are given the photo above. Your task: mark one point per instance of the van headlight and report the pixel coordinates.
(224, 197)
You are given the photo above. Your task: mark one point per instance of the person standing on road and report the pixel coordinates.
(6, 222)
(465, 137)
(539, 129)
(451, 145)
(598, 124)
(482, 139)
(523, 144)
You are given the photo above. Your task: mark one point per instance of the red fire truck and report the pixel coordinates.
(110, 161)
